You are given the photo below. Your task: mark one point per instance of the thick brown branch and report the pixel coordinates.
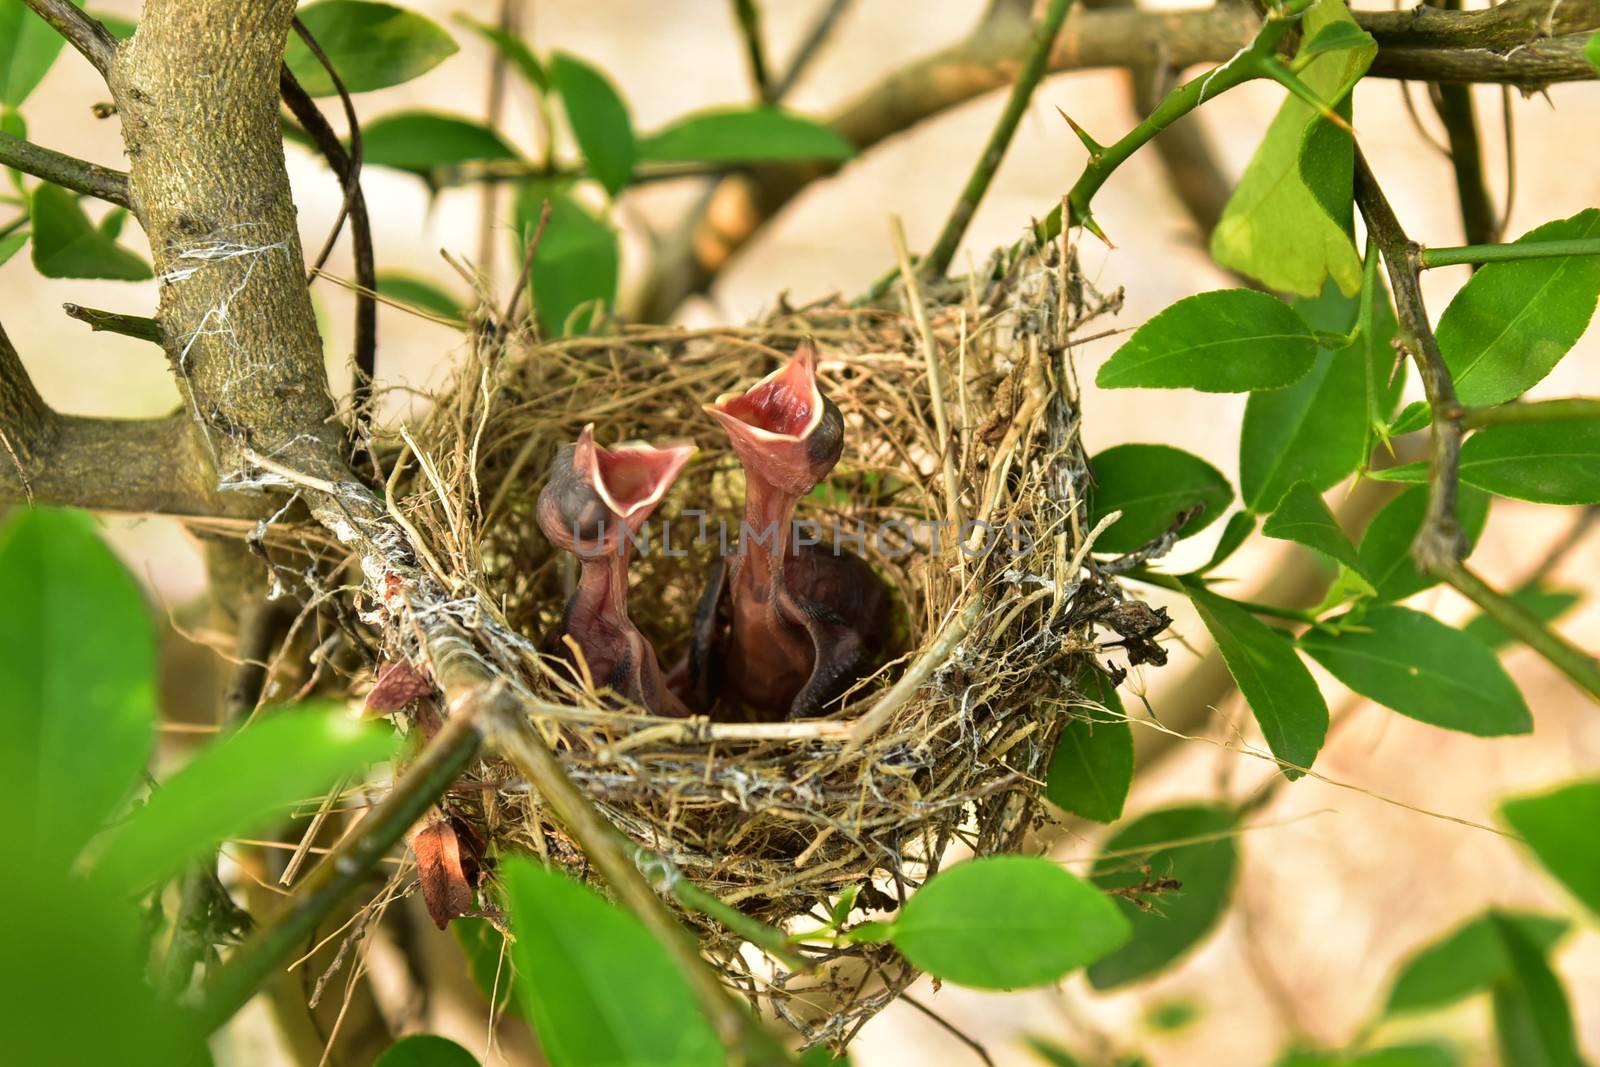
(104, 464)
(84, 33)
(1502, 28)
(69, 172)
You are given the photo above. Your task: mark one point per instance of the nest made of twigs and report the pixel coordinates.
(946, 743)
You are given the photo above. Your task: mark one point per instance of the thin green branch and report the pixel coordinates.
(139, 326)
(1575, 407)
(69, 172)
(1498, 253)
(1570, 660)
(684, 890)
(983, 172)
(1440, 543)
(343, 871)
(748, 17)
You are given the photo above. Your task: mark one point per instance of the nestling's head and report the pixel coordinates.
(787, 433)
(594, 494)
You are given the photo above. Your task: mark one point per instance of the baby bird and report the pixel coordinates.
(594, 499)
(802, 620)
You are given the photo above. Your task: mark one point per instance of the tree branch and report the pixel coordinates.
(83, 32)
(134, 465)
(69, 172)
(138, 326)
(944, 249)
(1501, 253)
(1453, 102)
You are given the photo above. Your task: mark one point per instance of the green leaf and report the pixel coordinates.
(10, 244)
(67, 245)
(1546, 605)
(1592, 50)
(1007, 922)
(1304, 518)
(28, 46)
(1513, 322)
(1560, 826)
(489, 960)
(238, 785)
(1394, 1056)
(1092, 766)
(1321, 428)
(1336, 37)
(1386, 546)
(1288, 221)
(1532, 1020)
(426, 1050)
(418, 141)
(371, 45)
(1280, 690)
(418, 292)
(1423, 669)
(1152, 485)
(1193, 845)
(1227, 341)
(1468, 960)
(598, 988)
(513, 49)
(751, 135)
(1241, 524)
(1555, 462)
(599, 120)
(78, 655)
(577, 260)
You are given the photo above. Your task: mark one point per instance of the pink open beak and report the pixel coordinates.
(632, 478)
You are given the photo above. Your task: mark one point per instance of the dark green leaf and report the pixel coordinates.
(1303, 517)
(119, 27)
(67, 245)
(599, 120)
(78, 706)
(1092, 766)
(1050, 1052)
(1560, 828)
(1152, 485)
(237, 786)
(1287, 223)
(1227, 341)
(409, 289)
(577, 262)
(822, 1056)
(1546, 605)
(28, 46)
(1532, 1020)
(1170, 1016)
(421, 140)
(1193, 845)
(754, 135)
(1334, 37)
(1241, 524)
(1386, 547)
(513, 48)
(1007, 922)
(371, 45)
(1470, 959)
(426, 1050)
(1280, 690)
(1556, 462)
(489, 960)
(1395, 1056)
(1423, 669)
(1320, 428)
(1413, 417)
(1512, 322)
(10, 244)
(598, 988)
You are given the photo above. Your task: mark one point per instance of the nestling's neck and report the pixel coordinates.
(768, 523)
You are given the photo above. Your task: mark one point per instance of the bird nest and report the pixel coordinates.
(963, 485)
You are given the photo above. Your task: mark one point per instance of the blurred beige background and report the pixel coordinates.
(1341, 879)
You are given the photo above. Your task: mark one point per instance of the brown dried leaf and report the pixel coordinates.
(445, 888)
(399, 683)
